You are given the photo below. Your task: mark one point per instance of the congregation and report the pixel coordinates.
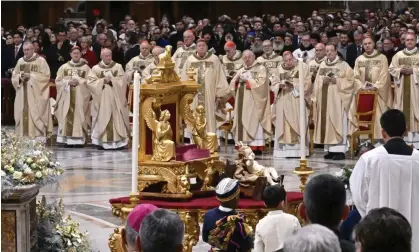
(253, 66)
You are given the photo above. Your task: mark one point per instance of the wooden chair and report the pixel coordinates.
(226, 127)
(366, 102)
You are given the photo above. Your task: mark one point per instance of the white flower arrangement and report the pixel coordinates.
(344, 174)
(56, 232)
(25, 161)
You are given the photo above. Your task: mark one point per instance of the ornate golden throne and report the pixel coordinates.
(172, 182)
(192, 167)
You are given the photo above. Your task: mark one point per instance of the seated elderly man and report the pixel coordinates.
(313, 238)
(162, 230)
(133, 224)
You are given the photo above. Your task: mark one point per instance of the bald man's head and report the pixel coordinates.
(188, 37)
(320, 50)
(28, 49)
(145, 48)
(248, 57)
(106, 55)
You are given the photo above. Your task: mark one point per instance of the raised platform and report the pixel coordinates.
(192, 212)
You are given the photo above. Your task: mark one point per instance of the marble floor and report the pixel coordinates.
(94, 176)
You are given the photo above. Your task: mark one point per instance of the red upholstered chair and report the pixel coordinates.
(366, 103)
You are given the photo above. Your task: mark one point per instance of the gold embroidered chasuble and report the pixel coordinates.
(374, 69)
(181, 55)
(72, 102)
(271, 63)
(112, 121)
(287, 103)
(32, 109)
(331, 101)
(213, 84)
(138, 63)
(147, 72)
(252, 106)
(231, 66)
(406, 87)
(314, 65)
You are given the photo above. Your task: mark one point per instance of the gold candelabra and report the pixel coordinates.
(303, 172)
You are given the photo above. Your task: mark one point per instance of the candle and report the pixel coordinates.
(302, 111)
(135, 132)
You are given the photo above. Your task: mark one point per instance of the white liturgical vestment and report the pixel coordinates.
(380, 179)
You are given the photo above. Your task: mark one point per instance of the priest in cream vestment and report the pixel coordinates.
(269, 59)
(32, 110)
(371, 73)
(286, 86)
(106, 82)
(232, 62)
(147, 72)
(405, 70)
(140, 62)
(332, 96)
(314, 64)
(73, 99)
(388, 176)
(183, 53)
(214, 89)
(252, 118)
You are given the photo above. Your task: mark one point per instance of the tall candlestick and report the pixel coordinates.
(302, 111)
(135, 132)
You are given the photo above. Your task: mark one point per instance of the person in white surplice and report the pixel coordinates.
(388, 176)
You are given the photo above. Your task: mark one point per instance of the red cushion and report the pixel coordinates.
(205, 203)
(365, 104)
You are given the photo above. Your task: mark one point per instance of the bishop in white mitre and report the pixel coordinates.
(405, 70)
(111, 127)
(388, 176)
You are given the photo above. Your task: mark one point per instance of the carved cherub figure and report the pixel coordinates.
(248, 169)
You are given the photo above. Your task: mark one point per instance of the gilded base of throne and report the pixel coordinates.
(193, 216)
(176, 177)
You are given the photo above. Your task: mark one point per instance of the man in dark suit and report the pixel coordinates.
(11, 54)
(16, 49)
(355, 49)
